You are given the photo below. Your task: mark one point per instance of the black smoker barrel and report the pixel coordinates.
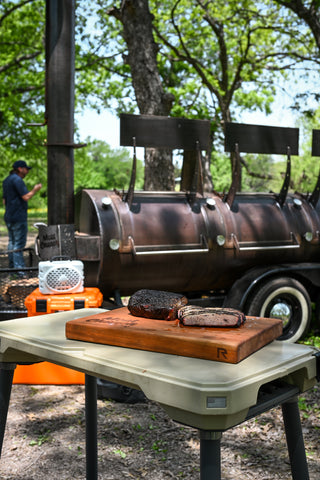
(165, 242)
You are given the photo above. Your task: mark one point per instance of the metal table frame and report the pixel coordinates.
(279, 390)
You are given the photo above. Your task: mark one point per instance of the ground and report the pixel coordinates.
(45, 438)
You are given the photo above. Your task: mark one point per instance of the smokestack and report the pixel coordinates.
(60, 55)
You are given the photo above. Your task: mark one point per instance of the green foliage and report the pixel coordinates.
(22, 81)
(220, 171)
(229, 54)
(99, 166)
(305, 168)
(22, 76)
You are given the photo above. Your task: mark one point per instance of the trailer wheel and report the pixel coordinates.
(287, 299)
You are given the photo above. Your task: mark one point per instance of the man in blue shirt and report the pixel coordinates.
(15, 199)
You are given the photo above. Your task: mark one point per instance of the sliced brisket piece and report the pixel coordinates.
(156, 304)
(210, 317)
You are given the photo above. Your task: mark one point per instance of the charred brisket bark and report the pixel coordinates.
(156, 304)
(210, 317)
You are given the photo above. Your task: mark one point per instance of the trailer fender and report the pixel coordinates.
(243, 288)
(278, 292)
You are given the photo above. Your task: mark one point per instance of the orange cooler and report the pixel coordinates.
(46, 373)
(38, 303)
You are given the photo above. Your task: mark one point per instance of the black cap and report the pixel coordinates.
(20, 163)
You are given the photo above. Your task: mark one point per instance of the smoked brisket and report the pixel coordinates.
(156, 304)
(210, 317)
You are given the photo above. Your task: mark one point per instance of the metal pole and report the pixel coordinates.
(91, 428)
(6, 377)
(210, 455)
(296, 449)
(60, 55)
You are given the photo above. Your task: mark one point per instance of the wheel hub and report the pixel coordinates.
(282, 311)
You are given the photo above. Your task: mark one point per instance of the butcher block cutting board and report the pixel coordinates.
(231, 345)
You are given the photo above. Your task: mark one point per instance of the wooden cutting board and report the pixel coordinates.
(231, 345)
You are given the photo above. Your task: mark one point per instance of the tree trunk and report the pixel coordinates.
(151, 98)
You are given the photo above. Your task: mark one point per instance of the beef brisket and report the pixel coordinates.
(210, 317)
(156, 304)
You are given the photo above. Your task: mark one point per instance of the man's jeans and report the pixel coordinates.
(17, 241)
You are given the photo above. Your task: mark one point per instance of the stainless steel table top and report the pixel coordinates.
(201, 393)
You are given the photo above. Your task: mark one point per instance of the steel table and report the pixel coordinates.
(210, 396)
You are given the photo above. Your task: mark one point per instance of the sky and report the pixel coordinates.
(104, 127)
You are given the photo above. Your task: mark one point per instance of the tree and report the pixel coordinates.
(99, 166)
(150, 95)
(215, 58)
(236, 49)
(22, 79)
(307, 15)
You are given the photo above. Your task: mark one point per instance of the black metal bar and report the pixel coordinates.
(261, 139)
(210, 455)
(117, 298)
(60, 55)
(314, 197)
(286, 182)
(6, 377)
(197, 180)
(271, 395)
(296, 449)
(315, 149)
(91, 428)
(236, 178)
(164, 132)
(130, 194)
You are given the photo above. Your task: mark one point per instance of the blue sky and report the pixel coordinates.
(101, 127)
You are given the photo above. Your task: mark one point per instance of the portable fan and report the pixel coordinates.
(62, 276)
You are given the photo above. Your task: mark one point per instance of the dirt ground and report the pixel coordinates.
(45, 438)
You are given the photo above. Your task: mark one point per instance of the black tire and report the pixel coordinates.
(284, 298)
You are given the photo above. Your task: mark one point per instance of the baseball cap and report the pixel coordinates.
(21, 163)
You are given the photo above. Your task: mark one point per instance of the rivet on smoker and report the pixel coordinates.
(308, 236)
(297, 203)
(221, 240)
(106, 202)
(114, 244)
(211, 203)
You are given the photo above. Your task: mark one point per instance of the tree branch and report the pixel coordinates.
(15, 7)
(18, 61)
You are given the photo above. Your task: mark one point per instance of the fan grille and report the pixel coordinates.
(63, 278)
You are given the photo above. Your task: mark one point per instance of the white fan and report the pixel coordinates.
(63, 276)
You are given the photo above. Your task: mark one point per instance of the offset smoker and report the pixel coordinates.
(256, 252)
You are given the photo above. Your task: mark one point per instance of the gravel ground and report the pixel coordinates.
(45, 438)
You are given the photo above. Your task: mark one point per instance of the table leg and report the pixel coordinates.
(296, 449)
(91, 428)
(6, 378)
(210, 455)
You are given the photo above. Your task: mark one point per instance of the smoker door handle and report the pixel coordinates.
(201, 247)
(281, 245)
